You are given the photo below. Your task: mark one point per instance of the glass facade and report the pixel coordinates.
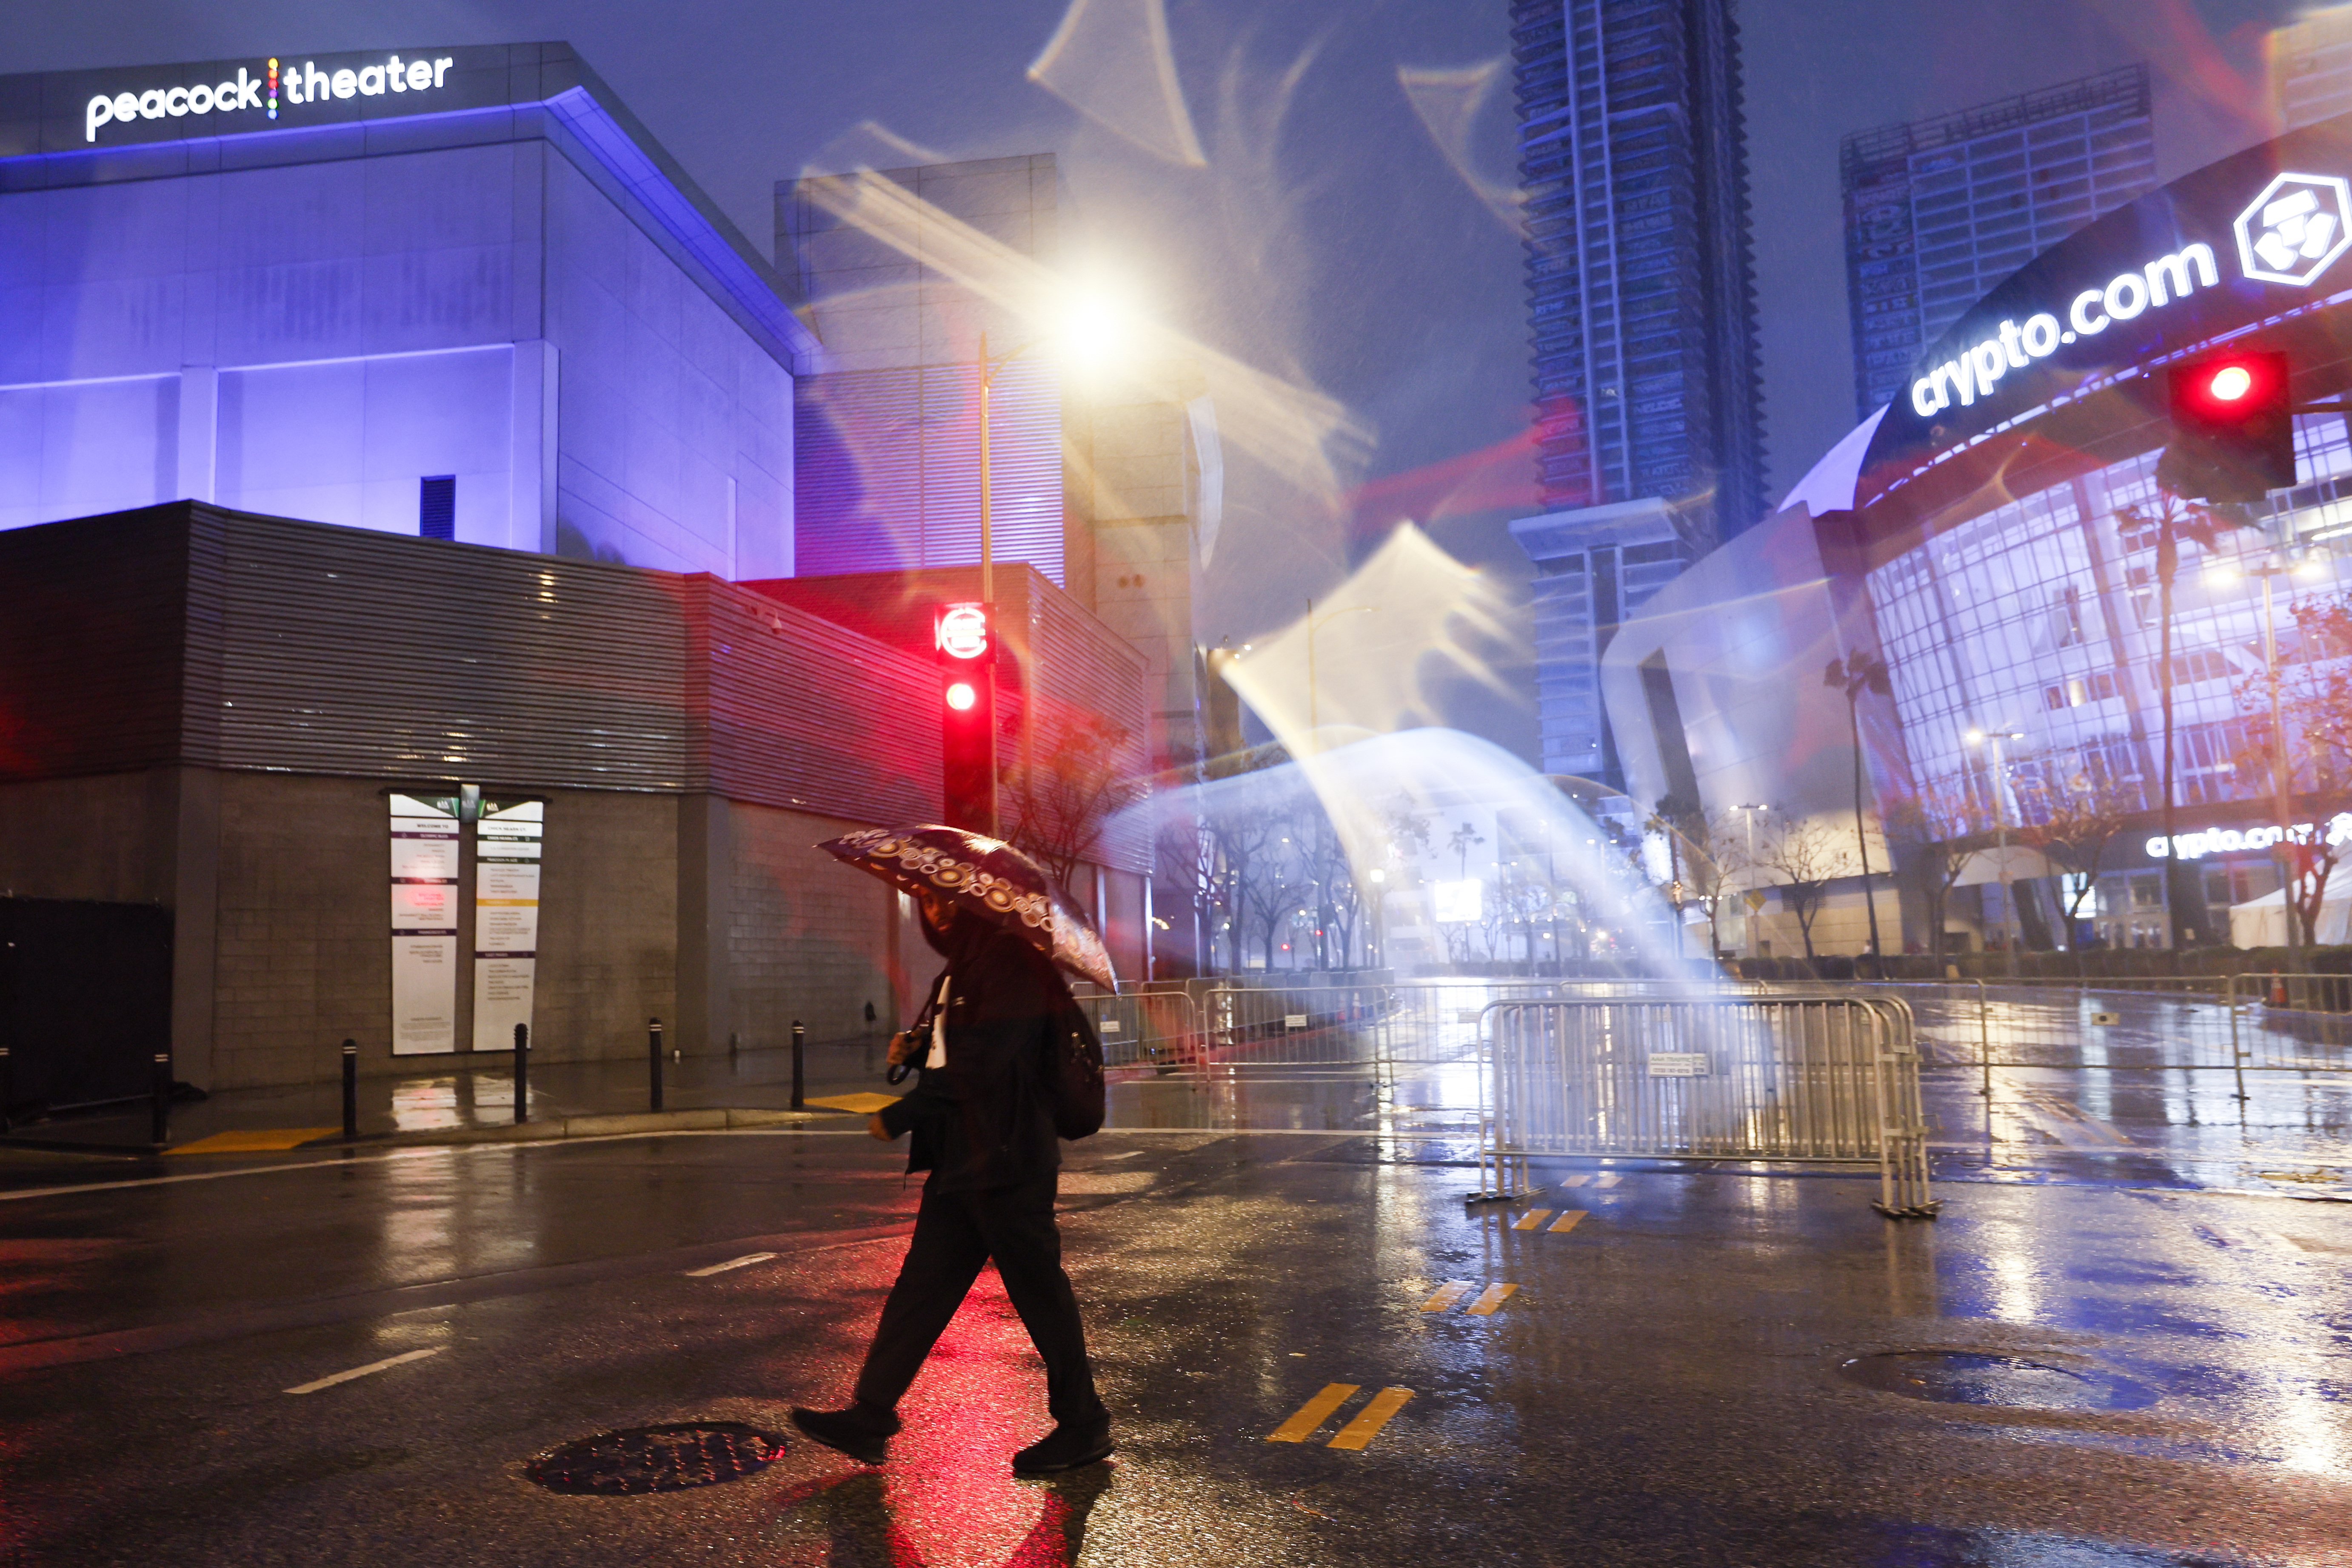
(2040, 619)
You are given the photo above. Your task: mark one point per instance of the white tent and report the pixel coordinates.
(2261, 923)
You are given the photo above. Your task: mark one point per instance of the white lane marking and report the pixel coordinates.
(743, 1262)
(373, 1366)
(424, 1151)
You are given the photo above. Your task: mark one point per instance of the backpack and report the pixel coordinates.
(1075, 1076)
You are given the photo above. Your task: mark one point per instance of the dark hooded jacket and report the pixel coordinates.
(986, 1119)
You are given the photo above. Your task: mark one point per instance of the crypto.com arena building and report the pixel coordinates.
(1974, 535)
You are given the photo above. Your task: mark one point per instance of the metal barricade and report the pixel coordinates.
(1156, 1028)
(1726, 1077)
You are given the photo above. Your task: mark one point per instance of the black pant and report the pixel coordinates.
(955, 1233)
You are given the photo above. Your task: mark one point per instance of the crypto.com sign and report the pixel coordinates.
(2296, 228)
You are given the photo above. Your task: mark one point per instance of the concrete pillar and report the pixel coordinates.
(194, 804)
(706, 862)
(199, 435)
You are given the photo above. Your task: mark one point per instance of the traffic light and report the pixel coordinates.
(2233, 428)
(967, 715)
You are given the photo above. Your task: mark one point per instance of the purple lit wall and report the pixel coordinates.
(306, 321)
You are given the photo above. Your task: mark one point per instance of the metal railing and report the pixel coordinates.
(1708, 1077)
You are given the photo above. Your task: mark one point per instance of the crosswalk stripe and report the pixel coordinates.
(1532, 1219)
(1492, 1296)
(1452, 1291)
(1610, 1180)
(1314, 1413)
(1576, 1181)
(1371, 1418)
(1567, 1220)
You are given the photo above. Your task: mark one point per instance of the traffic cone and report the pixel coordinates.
(2278, 990)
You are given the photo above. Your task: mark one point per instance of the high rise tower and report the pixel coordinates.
(1641, 300)
(1938, 211)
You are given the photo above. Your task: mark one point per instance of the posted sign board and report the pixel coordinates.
(506, 841)
(423, 925)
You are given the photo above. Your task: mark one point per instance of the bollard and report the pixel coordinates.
(800, 1041)
(350, 1091)
(8, 1086)
(653, 1055)
(522, 1073)
(161, 1093)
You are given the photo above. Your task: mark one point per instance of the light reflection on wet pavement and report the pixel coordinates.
(1664, 1386)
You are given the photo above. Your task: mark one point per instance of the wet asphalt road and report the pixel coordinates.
(1664, 1386)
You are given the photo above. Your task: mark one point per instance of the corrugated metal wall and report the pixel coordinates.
(799, 712)
(187, 633)
(886, 468)
(378, 654)
(93, 616)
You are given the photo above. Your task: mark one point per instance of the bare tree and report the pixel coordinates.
(1932, 836)
(1807, 857)
(2075, 830)
(2314, 702)
(1080, 776)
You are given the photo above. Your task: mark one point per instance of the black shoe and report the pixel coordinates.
(1071, 1446)
(861, 1432)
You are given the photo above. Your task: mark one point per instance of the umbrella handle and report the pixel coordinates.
(899, 1071)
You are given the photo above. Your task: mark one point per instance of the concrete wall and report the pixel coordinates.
(675, 429)
(811, 938)
(311, 340)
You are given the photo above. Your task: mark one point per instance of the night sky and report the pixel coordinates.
(1332, 236)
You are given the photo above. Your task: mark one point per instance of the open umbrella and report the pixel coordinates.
(988, 877)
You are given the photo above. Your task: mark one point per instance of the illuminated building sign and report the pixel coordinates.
(305, 83)
(2254, 242)
(96, 110)
(2233, 841)
(2013, 346)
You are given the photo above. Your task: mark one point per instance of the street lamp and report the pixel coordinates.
(2000, 836)
(1091, 325)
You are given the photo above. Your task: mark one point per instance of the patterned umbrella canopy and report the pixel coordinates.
(988, 877)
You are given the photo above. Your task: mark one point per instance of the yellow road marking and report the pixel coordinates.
(1371, 1418)
(1532, 1218)
(263, 1140)
(863, 1104)
(1576, 1181)
(1567, 1220)
(1452, 1291)
(1314, 1413)
(1492, 1296)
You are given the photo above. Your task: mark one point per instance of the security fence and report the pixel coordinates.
(2245, 1023)
(1721, 1076)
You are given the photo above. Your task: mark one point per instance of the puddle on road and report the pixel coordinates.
(1972, 1377)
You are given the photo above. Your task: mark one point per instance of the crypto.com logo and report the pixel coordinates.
(2295, 229)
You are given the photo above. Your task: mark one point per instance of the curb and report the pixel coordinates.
(605, 1126)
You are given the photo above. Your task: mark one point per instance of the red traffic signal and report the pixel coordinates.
(2233, 428)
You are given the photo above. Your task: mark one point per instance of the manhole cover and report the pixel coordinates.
(1970, 1377)
(656, 1459)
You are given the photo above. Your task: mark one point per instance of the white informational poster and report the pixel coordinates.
(424, 839)
(507, 840)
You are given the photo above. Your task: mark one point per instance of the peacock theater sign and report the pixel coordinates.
(98, 110)
(264, 88)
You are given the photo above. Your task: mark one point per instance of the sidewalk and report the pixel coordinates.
(444, 1102)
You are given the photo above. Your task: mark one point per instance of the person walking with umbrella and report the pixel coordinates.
(1000, 1045)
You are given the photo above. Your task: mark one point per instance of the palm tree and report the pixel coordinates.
(1863, 672)
(2172, 516)
(1460, 841)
